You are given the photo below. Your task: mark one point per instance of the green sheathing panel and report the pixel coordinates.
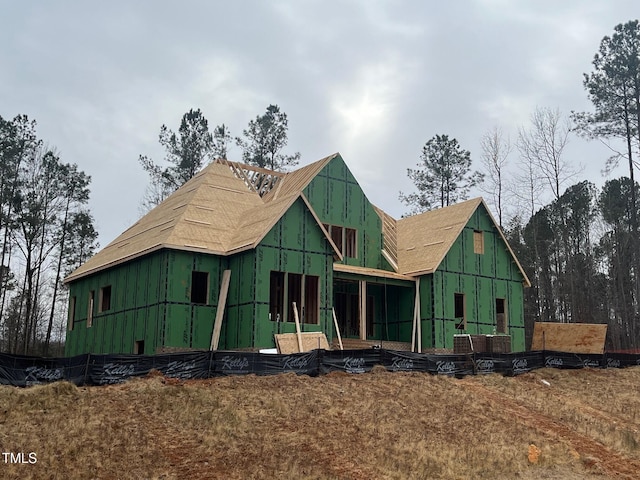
(150, 302)
(400, 304)
(337, 199)
(426, 312)
(381, 320)
(482, 278)
(295, 244)
(135, 313)
(238, 324)
(189, 325)
(515, 307)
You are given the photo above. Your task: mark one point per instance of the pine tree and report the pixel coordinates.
(444, 176)
(264, 139)
(186, 153)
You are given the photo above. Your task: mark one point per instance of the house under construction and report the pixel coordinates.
(223, 260)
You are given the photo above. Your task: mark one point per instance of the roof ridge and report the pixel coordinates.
(193, 217)
(311, 170)
(245, 191)
(147, 218)
(440, 243)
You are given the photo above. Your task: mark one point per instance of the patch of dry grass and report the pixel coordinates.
(339, 426)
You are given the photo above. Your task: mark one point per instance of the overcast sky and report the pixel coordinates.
(373, 80)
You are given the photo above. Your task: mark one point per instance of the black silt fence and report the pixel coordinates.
(620, 360)
(24, 371)
(307, 363)
(457, 365)
(396, 361)
(507, 363)
(486, 363)
(350, 361)
(572, 360)
(224, 363)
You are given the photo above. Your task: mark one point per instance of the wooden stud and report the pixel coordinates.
(90, 310)
(416, 318)
(335, 322)
(413, 332)
(417, 314)
(298, 333)
(363, 309)
(222, 302)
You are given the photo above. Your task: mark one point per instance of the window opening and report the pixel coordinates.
(90, 309)
(104, 299)
(311, 299)
(286, 288)
(336, 236)
(138, 347)
(276, 297)
(294, 294)
(501, 315)
(459, 311)
(351, 247)
(199, 287)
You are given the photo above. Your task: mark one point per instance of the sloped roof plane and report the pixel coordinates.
(296, 181)
(257, 222)
(220, 211)
(424, 240)
(214, 212)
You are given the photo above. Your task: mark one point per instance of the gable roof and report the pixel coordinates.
(424, 240)
(389, 237)
(230, 207)
(296, 181)
(214, 212)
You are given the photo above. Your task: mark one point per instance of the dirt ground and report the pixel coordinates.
(548, 424)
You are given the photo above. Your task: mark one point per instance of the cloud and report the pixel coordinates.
(373, 79)
(365, 111)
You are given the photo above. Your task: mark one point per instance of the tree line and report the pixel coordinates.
(580, 248)
(193, 146)
(46, 231)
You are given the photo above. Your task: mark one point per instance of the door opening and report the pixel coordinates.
(501, 315)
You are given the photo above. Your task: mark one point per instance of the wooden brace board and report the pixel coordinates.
(569, 337)
(288, 342)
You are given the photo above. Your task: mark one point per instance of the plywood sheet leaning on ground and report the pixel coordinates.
(569, 337)
(288, 342)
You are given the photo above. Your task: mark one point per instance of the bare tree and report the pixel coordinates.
(541, 148)
(542, 145)
(41, 198)
(74, 194)
(38, 209)
(495, 152)
(17, 142)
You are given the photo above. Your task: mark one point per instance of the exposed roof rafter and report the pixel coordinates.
(259, 180)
